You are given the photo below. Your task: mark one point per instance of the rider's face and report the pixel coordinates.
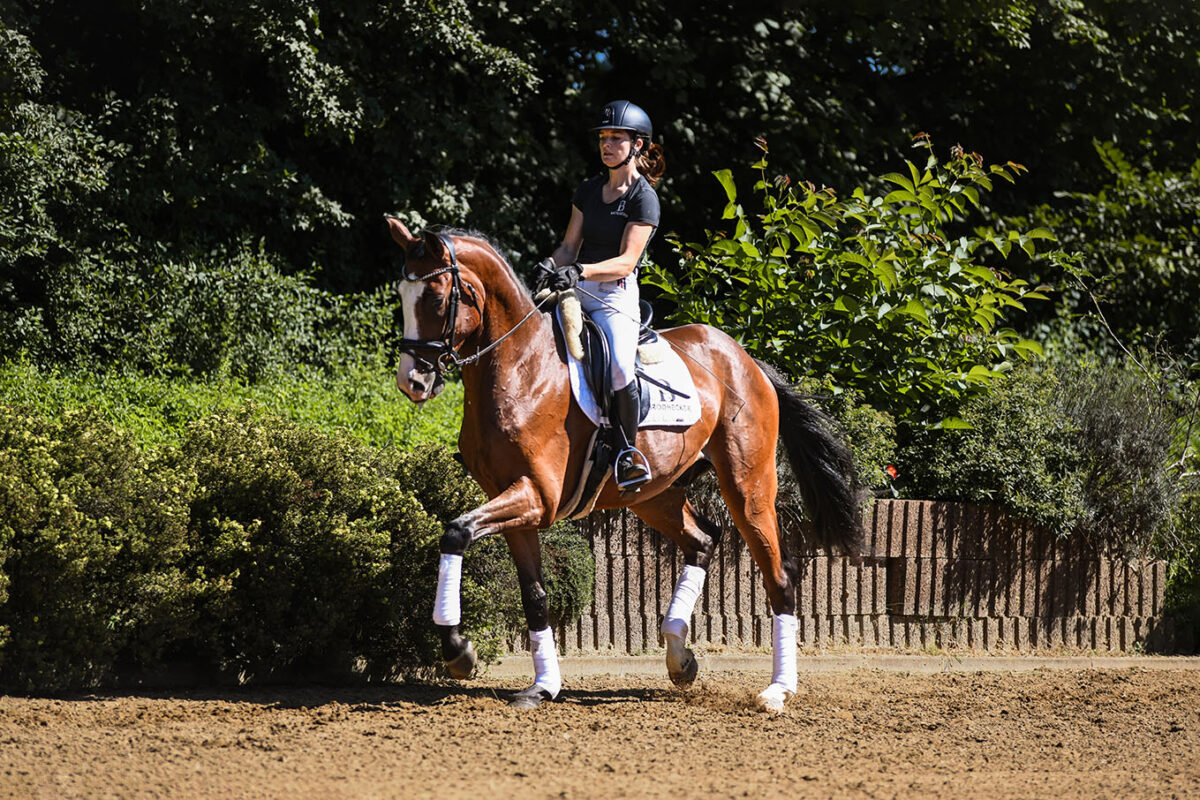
(614, 146)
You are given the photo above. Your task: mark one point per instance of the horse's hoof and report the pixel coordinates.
(681, 661)
(772, 699)
(684, 675)
(462, 665)
(532, 697)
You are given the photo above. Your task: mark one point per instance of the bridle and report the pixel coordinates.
(443, 351)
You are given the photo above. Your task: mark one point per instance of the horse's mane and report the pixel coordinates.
(470, 233)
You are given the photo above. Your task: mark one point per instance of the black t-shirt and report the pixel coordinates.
(604, 223)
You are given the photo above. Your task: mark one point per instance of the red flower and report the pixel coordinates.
(892, 471)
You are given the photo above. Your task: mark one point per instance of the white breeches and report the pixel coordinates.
(615, 309)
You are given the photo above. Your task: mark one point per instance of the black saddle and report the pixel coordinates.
(596, 358)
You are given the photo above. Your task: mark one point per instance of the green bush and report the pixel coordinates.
(570, 572)
(873, 290)
(869, 433)
(257, 549)
(91, 536)
(156, 410)
(1182, 599)
(320, 551)
(1086, 451)
(225, 313)
(1019, 449)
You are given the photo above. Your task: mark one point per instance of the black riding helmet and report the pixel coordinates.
(623, 115)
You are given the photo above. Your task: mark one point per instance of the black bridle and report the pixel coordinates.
(438, 355)
(443, 351)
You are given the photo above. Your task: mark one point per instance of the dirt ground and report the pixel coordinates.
(1058, 734)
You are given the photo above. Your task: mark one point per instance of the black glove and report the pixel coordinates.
(565, 277)
(543, 273)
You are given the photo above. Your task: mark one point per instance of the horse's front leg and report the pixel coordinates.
(519, 506)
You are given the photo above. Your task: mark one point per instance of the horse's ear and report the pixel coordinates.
(400, 233)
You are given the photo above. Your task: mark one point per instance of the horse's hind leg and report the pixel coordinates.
(750, 496)
(672, 515)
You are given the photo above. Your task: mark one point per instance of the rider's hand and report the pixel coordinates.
(543, 273)
(565, 277)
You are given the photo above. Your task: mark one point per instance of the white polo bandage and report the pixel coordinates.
(783, 629)
(446, 609)
(545, 661)
(683, 602)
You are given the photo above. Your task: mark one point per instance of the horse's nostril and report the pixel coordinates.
(417, 385)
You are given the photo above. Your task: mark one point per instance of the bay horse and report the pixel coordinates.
(523, 439)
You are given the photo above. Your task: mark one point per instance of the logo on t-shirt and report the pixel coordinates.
(620, 212)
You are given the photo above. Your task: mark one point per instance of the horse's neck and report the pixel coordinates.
(527, 348)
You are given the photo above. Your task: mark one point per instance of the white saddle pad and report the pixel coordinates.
(666, 409)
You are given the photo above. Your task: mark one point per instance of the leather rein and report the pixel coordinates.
(444, 350)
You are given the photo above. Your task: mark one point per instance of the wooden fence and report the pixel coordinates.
(942, 576)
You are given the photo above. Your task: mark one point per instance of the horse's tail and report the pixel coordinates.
(823, 468)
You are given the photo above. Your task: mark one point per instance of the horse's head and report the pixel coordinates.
(441, 308)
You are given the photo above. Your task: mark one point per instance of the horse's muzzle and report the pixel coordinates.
(419, 385)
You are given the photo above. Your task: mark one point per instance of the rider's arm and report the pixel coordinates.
(633, 244)
(568, 248)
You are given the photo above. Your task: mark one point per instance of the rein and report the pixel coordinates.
(445, 354)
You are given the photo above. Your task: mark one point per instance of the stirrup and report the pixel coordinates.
(633, 482)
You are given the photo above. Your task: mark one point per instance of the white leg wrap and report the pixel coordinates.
(545, 661)
(784, 679)
(783, 629)
(683, 602)
(446, 609)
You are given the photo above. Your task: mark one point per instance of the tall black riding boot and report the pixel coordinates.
(632, 469)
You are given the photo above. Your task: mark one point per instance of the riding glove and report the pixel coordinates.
(543, 273)
(565, 277)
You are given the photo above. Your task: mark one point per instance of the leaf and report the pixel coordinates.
(901, 181)
(725, 176)
(886, 274)
(979, 374)
(952, 424)
(914, 308)
(900, 195)
(1026, 347)
(847, 304)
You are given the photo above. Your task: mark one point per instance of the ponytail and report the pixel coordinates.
(650, 163)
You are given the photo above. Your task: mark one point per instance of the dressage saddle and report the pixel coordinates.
(597, 360)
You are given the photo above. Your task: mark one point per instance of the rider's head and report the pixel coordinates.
(623, 117)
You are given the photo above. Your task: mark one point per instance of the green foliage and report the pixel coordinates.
(870, 434)
(91, 536)
(256, 549)
(156, 410)
(570, 572)
(1088, 451)
(1136, 243)
(1183, 579)
(871, 291)
(294, 125)
(294, 533)
(1019, 449)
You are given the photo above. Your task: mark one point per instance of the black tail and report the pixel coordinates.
(823, 468)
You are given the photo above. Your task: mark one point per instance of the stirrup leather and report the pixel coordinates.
(638, 473)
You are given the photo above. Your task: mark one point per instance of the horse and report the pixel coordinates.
(523, 439)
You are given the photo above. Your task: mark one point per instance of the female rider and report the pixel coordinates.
(613, 217)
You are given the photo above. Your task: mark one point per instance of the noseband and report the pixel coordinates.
(440, 355)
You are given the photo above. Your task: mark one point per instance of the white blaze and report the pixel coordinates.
(406, 372)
